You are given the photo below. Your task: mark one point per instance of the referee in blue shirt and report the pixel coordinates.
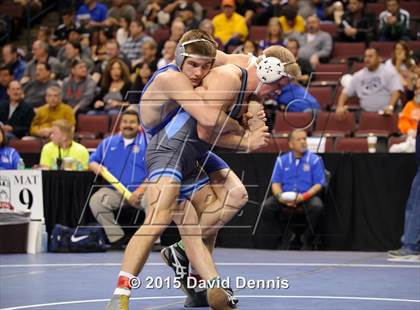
(124, 156)
(299, 171)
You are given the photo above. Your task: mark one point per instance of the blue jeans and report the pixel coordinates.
(411, 236)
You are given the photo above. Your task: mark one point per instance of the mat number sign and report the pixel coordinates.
(21, 190)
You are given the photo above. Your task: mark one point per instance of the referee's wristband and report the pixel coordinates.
(306, 196)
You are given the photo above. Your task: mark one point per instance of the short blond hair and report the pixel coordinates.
(285, 56)
(65, 127)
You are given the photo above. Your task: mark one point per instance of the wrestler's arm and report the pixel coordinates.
(219, 90)
(178, 87)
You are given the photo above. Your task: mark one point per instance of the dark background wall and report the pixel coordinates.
(365, 201)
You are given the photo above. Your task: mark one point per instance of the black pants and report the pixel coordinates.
(276, 218)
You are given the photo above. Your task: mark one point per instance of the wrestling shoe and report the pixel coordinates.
(221, 298)
(117, 302)
(177, 259)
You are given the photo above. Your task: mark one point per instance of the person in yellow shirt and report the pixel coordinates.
(230, 27)
(291, 22)
(410, 115)
(52, 111)
(62, 152)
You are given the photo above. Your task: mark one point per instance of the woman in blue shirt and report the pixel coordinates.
(9, 157)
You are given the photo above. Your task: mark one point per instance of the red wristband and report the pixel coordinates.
(306, 196)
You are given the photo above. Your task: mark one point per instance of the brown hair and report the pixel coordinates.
(201, 48)
(125, 73)
(408, 61)
(65, 127)
(285, 56)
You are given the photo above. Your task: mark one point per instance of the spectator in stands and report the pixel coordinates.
(230, 27)
(132, 47)
(291, 22)
(79, 87)
(9, 157)
(206, 25)
(126, 162)
(313, 7)
(177, 30)
(114, 87)
(315, 45)
(149, 54)
(120, 10)
(40, 55)
(62, 148)
(378, 87)
(299, 171)
(123, 31)
(249, 47)
(357, 25)
(168, 54)
(175, 7)
(410, 115)
(305, 65)
(296, 98)
(99, 52)
(141, 75)
(11, 57)
(402, 62)
(410, 250)
(6, 76)
(112, 51)
(35, 90)
(73, 50)
(394, 22)
(247, 8)
(52, 111)
(61, 33)
(274, 34)
(15, 115)
(92, 13)
(187, 15)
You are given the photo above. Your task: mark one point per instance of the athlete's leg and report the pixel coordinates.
(161, 196)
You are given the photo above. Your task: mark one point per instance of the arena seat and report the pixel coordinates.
(327, 125)
(115, 122)
(92, 126)
(376, 8)
(331, 28)
(414, 45)
(330, 72)
(384, 48)
(90, 143)
(26, 146)
(285, 123)
(161, 34)
(342, 51)
(351, 145)
(379, 125)
(395, 140)
(257, 33)
(324, 95)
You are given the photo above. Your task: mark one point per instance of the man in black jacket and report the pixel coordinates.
(15, 115)
(357, 25)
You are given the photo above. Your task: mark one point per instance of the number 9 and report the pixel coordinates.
(26, 200)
